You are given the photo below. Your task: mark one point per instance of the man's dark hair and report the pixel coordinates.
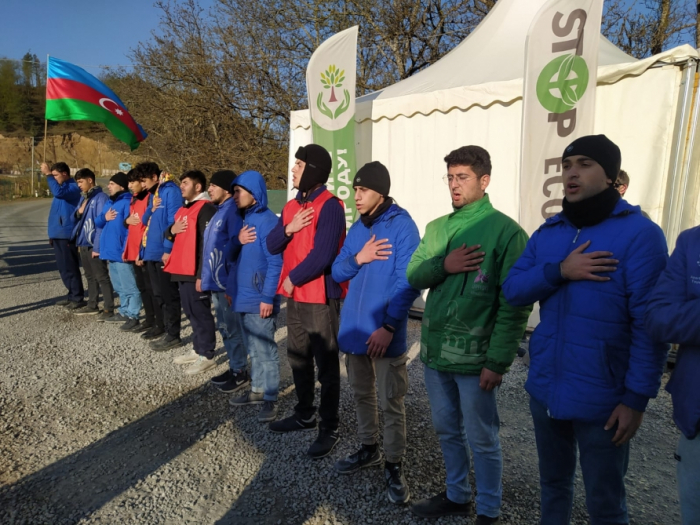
(85, 173)
(195, 176)
(147, 170)
(60, 167)
(133, 175)
(477, 158)
(622, 179)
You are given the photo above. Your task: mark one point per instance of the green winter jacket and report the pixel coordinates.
(467, 323)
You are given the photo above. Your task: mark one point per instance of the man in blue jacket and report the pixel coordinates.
(593, 366)
(256, 299)
(672, 316)
(160, 214)
(66, 196)
(221, 231)
(373, 323)
(87, 239)
(112, 242)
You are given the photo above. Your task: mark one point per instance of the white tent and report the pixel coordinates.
(473, 95)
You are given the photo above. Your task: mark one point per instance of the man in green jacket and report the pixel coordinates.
(470, 334)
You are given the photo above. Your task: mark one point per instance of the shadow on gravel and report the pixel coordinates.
(24, 308)
(23, 259)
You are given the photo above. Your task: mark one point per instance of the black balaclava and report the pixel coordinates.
(318, 166)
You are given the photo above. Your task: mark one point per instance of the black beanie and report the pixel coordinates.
(223, 179)
(373, 176)
(121, 179)
(318, 166)
(599, 148)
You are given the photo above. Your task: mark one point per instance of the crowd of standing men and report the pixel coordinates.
(610, 301)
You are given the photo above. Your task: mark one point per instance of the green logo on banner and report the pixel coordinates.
(562, 83)
(331, 79)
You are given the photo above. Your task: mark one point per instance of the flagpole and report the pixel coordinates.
(46, 122)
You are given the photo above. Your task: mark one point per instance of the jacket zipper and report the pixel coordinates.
(578, 232)
(464, 284)
(364, 277)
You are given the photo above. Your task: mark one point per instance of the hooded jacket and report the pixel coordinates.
(378, 292)
(114, 232)
(65, 201)
(223, 226)
(86, 233)
(672, 317)
(160, 221)
(257, 270)
(590, 351)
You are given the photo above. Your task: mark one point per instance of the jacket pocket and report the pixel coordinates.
(397, 377)
(258, 282)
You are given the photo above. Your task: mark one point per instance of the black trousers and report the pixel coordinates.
(68, 262)
(312, 334)
(167, 298)
(197, 307)
(144, 285)
(97, 276)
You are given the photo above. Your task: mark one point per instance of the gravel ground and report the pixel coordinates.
(96, 428)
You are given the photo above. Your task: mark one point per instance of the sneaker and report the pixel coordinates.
(86, 310)
(152, 333)
(117, 318)
(293, 423)
(439, 506)
(236, 382)
(166, 343)
(103, 316)
(130, 325)
(325, 443)
(268, 412)
(62, 302)
(142, 327)
(249, 398)
(73, 305)
(186, 359)
(396, 487)
(201, 365)
(222, 379)
(481, 519)
(367, 456)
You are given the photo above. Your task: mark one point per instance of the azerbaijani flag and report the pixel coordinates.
(74, 94)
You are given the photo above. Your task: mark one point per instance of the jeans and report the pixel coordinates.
(68, 262)
(197, 307)
(392, 381)
(229, 324)
(603, 465)
(466, 416)
(259, 336)
(688, 472)
(97, 275)
(124, 282)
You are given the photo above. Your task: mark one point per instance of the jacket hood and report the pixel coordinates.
(621, 208)
(126, 194)
(254, 183)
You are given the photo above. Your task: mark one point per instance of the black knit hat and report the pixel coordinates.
(599, 148)
(121, 179)
(373, 176)
(318, 166)
(223, 179)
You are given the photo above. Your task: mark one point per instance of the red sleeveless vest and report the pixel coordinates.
(301, 244)
(183, 258)
(133, 240)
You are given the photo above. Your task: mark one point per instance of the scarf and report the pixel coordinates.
(592, 210)
(369, 218)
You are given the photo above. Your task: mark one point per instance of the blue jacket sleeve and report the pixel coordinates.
(233, 246)
(100, 221)
(529, 281)
(99, 208)
(671, 316)
(64, 191)
(646, 260)
(147, 214)
(277, 241)
(274, 268)
(344, 267)
(403, 293)
(172, 201)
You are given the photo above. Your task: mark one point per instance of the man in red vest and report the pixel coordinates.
(184, 264)
(310, 234)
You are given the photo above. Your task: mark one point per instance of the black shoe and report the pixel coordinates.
(86, 310)
(130, 325)
(325, 443)
(103, 316)
(293, 423)
(62, 302)
(73, 305)
(222, 379)
(396, 487)
(367, 456)
(237, 381)
(439, 506)
(152, 333)
(487, 520)
(168, 342)
(117, 318)
(142, 327)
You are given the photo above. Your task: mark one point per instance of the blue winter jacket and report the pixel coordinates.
(591, 351)
(62, 213)
(257, 270)
(225, 224)
(161, 219)
(672, 316)
(114, 232)
(85, 232)
(379, 291)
